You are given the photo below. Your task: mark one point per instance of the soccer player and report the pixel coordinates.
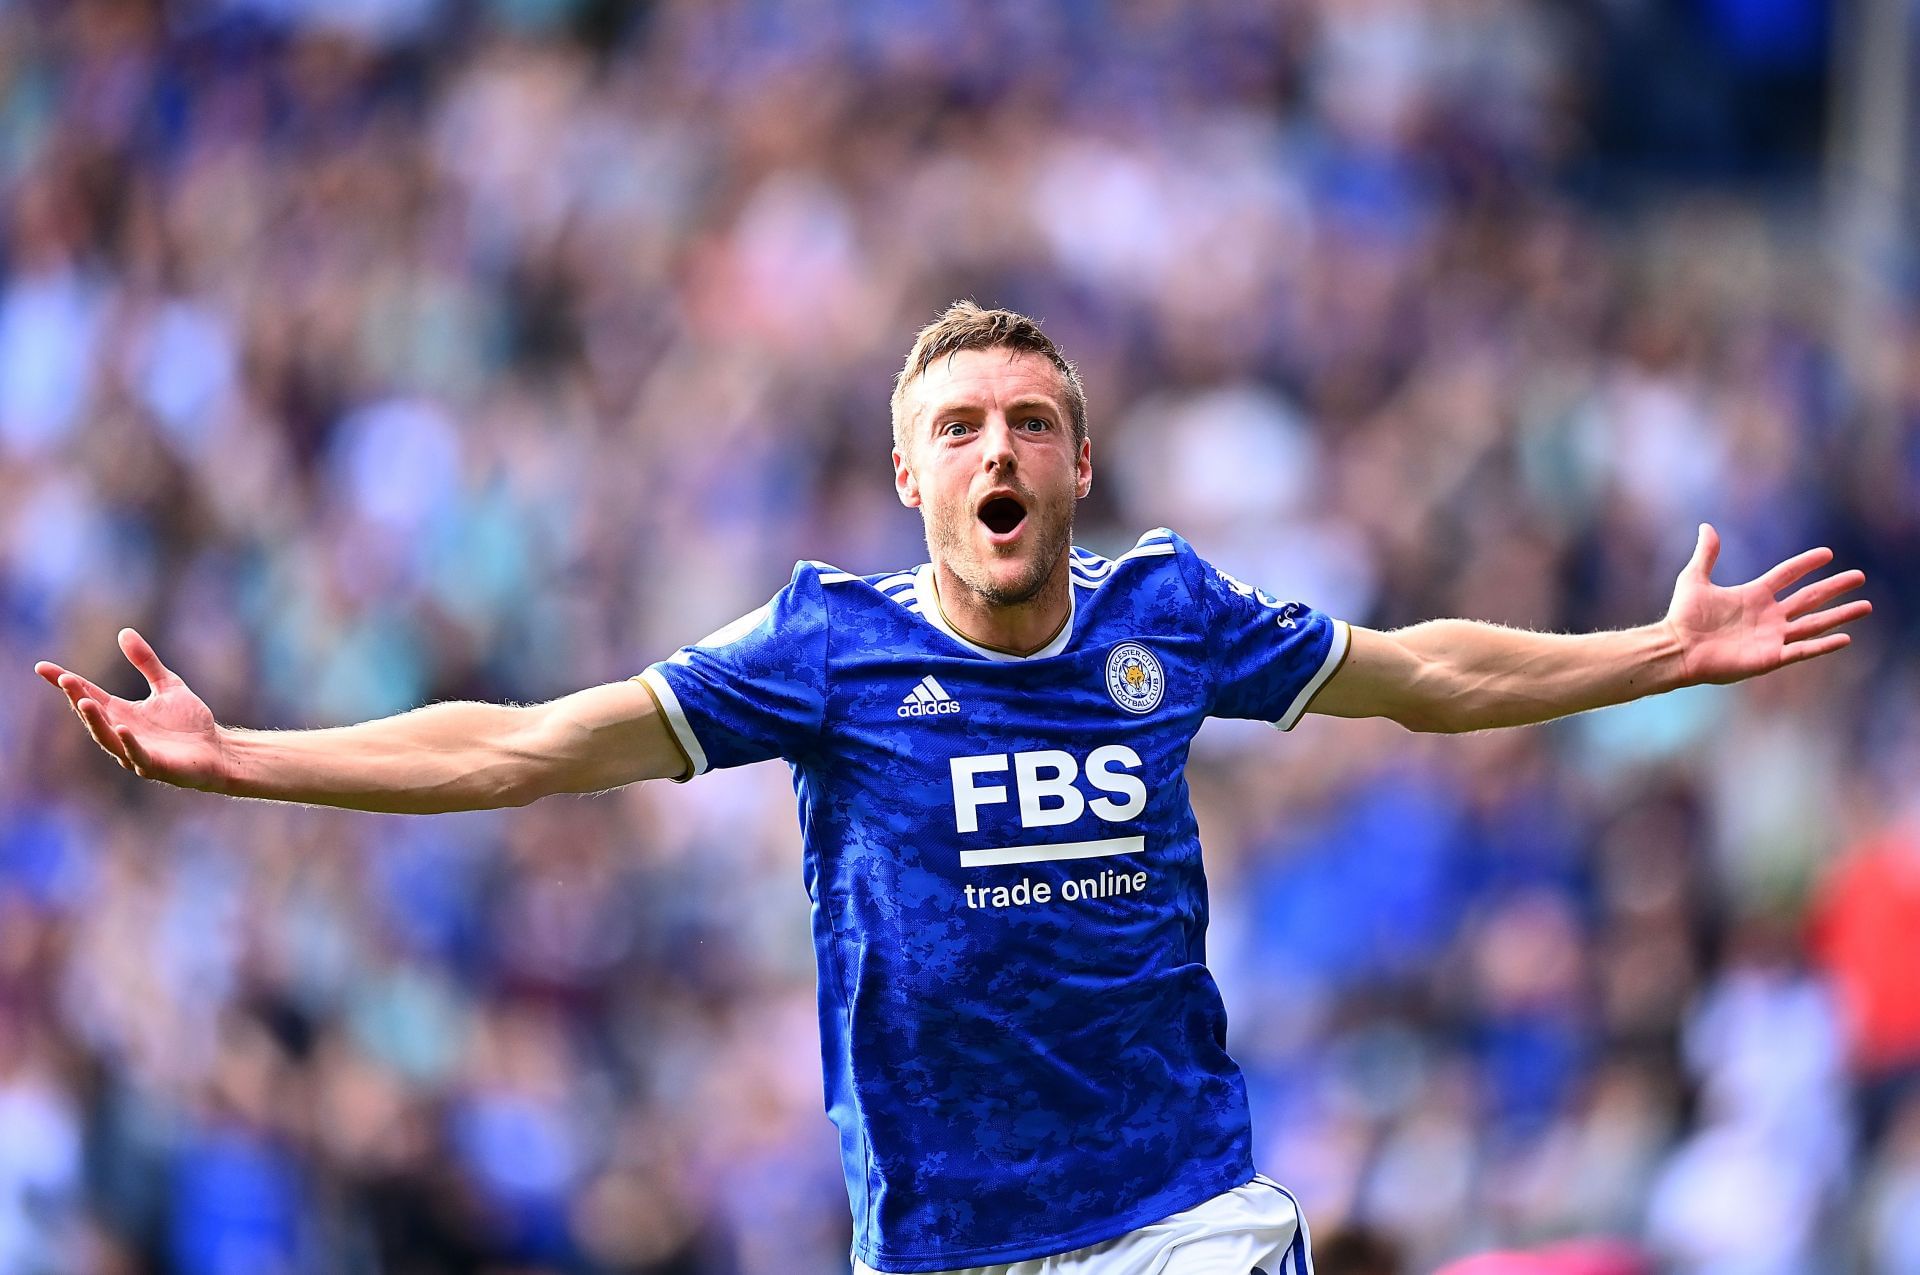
(1023, 1049)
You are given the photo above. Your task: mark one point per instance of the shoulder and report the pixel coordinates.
(1155, 554)
(1157, 579)
(838, 588)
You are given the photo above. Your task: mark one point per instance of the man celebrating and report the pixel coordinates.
(1023, 1049)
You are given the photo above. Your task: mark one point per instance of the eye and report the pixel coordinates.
(1037, 423)
(953, 429)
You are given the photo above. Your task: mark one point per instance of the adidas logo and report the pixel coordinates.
(927, 699)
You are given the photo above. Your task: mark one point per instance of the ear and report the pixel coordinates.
(905, 485)
(1083, 470)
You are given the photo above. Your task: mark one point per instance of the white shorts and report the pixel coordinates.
(1254, 1227)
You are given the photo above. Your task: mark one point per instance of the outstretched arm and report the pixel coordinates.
(458, 756)
(1461, 675)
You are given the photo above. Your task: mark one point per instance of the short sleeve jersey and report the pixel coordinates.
(1024, 1051)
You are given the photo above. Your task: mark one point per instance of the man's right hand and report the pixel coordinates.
(170, 735)
(440, 758)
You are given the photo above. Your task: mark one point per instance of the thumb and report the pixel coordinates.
(1706, 551)
(141, 655)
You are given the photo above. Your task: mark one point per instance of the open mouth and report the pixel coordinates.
(1003, 514)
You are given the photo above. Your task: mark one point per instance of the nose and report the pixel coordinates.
(996, 445)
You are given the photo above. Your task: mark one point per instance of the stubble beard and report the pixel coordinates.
(950, 542)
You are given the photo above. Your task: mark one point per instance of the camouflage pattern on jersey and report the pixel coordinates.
(1024, 1051)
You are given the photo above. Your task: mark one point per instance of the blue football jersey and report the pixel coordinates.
(1024, 1051)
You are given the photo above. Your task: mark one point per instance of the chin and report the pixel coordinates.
(1006, 576)
(1010, 582)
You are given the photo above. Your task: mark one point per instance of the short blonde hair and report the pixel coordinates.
(966, 326)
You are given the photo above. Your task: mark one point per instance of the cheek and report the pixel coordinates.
(949, 484)
(943, 500)
(1062, 474)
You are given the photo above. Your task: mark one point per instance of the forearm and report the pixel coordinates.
(1479, 676)
(1461, 675)
(445, 757)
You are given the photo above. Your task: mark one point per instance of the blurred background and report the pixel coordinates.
(370, 352)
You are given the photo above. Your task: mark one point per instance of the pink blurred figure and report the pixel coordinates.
(1584, 1257)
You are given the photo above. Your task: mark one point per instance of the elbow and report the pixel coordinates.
(517, 791)
(1431, 700)
(1426, 719)
(548, 756)
(522, 770)
(529, 771)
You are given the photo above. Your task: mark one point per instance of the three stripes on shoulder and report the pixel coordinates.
(1089, 570)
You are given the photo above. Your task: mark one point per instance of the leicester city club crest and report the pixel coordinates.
(1134, 678)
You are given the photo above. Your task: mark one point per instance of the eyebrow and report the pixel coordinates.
(1032, 401)
(1025, 403)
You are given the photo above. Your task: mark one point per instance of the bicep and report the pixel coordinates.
(1381, 677)
(605, 737)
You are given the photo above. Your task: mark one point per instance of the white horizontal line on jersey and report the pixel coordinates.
(1336, 652)
(676, 719)
(893, 582)
(1147, 551)
(1049, 853)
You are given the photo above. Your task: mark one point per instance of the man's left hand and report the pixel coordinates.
(1727, 633)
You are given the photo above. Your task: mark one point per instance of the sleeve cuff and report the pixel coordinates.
(1336, 656)
(677, 725)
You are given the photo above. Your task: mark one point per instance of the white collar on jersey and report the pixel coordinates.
(929, 598)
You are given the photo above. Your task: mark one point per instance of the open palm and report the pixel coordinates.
(170, 735)
(1731, 632)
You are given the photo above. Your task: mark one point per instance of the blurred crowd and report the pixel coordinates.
(363, 353)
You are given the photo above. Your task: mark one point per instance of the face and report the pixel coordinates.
(988, 458)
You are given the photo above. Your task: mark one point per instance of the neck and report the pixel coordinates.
(1019, 628)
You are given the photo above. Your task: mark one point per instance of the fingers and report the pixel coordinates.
(89, 704)
(78, 688)
(1814, 625)
(1795, 567)
(95, 719)
(1819, 646)
(1821, 592)
(1706, 552)
(135, 648)
(137, 760)
(71, 684)
(85, 699)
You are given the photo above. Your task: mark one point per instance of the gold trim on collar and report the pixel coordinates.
(933, 585)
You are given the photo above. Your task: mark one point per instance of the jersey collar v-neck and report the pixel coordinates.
(929, 598)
